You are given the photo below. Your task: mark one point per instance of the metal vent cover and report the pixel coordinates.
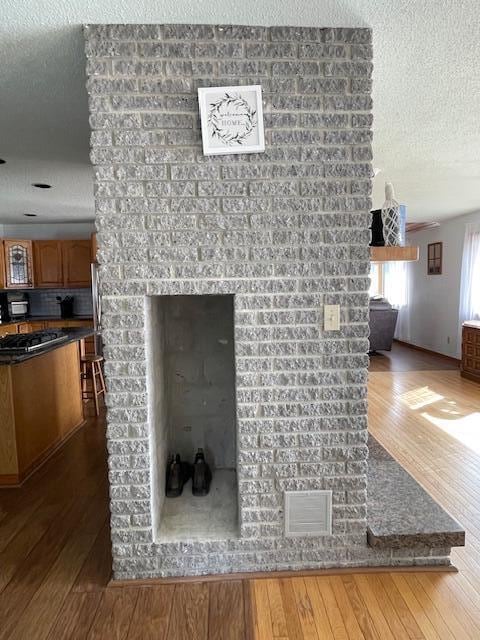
(308, 513)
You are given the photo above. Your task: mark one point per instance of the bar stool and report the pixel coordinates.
(91, 370)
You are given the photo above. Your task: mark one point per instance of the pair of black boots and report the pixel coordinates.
(179, 472)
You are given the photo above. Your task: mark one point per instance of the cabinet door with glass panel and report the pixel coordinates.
(18, 264)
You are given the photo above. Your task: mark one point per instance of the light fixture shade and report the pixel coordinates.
(391, 218)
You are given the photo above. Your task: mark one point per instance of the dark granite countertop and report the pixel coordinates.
(74, 334)
(400, 512)
(40, 318)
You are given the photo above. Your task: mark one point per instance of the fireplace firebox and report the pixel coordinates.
(192, 387)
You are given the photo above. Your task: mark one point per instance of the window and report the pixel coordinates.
(434, 258)
(470, 287)
(395, 283)
(376, 279)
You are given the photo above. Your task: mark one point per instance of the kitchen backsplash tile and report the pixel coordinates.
(43, 302)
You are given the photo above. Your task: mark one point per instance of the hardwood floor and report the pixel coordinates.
(404, 358)
(55, 559)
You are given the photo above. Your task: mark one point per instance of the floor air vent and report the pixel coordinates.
(308, 513)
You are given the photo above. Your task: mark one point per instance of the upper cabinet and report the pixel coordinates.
(18, 264)
(48, 263)
(76, 262)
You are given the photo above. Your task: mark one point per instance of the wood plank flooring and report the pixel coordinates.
(405, 358)
(55, 559)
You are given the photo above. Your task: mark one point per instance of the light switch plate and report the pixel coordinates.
(331, 317)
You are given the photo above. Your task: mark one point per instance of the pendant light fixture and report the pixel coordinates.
(391, 222)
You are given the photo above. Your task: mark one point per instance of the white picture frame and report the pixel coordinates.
(231, 119)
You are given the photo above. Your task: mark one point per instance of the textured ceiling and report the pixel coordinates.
(426, 94)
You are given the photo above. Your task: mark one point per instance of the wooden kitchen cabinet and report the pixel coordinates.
(40, 407)
(45, 263)
(28, 327)
(37, 325)
(48, 263)
(76, 263)
(7, 328)
(18, 264)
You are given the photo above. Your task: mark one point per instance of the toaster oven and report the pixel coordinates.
(18, 308)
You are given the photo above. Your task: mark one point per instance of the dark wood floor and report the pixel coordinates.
(405, 358)
(55, 559)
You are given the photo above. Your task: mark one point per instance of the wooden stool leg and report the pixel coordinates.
(83, 375)
(95, 392)
(102, 379)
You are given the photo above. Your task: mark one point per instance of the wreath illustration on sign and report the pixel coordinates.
(238, 107)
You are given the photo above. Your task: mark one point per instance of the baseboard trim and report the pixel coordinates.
(470, 376)
(259, 575)
(451, 359)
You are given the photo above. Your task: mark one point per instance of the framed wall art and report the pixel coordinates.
(434, 258)
(231, 119)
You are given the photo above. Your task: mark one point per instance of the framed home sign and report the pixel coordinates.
(231, 119)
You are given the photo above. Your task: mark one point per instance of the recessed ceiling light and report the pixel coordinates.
(2, 161)
(30, 215)
(41, 185)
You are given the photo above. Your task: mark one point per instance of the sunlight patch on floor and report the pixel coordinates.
(465, 429)
(421, 397)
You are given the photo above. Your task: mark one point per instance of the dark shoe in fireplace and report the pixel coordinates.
(202, 476)
(178, 473)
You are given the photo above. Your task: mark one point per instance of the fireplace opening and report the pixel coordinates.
(191, 374)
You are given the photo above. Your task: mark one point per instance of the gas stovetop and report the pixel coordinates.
(27, 342)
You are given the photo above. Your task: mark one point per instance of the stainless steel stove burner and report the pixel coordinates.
(28, 342)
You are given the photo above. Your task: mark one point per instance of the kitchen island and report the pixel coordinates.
(40, 404)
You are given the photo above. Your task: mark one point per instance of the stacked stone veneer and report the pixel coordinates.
(286, 231)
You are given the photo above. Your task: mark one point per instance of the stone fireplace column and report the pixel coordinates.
(284, 232)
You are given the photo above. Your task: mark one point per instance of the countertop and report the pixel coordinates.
(74, 334)
(41, 318)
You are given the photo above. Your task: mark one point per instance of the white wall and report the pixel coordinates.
(431, 320)
(46, 231)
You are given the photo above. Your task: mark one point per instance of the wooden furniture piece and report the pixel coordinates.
(76, 263)
(18, 264)
(48, 263)
(40, 406)
(92, 370)
(394, 254)
(470, 366)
